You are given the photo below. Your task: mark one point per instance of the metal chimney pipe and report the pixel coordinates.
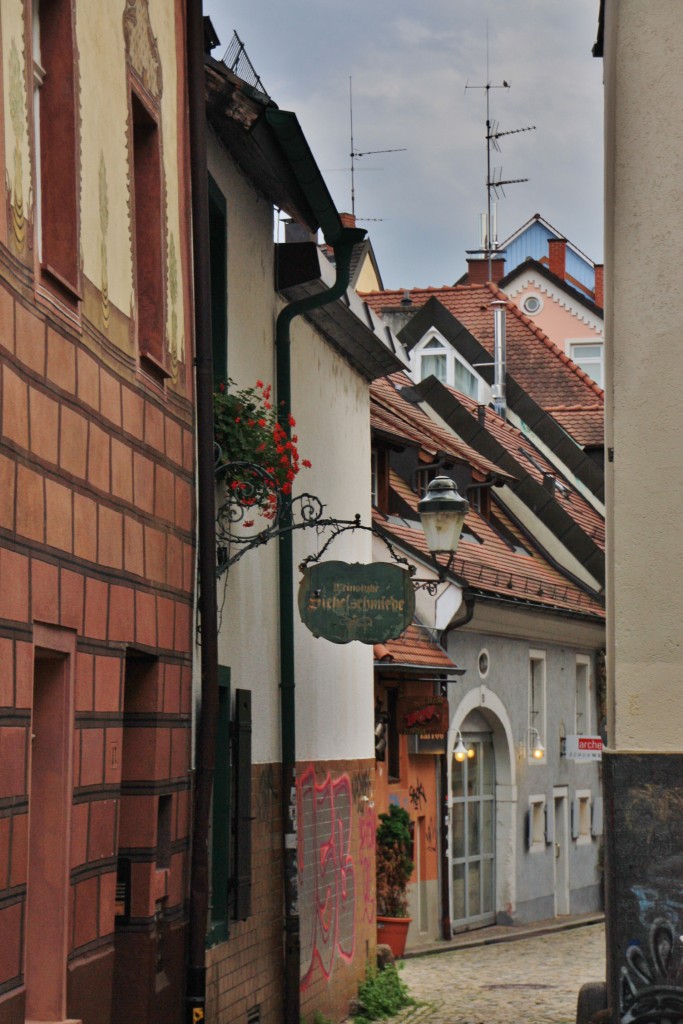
(498, 389)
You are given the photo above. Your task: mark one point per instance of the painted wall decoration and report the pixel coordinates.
(104, 226)
(645, 892)
(327, 873)
(18, 119)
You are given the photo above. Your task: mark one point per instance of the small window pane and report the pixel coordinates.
(458, 825)
(436, 365)
(464, 380)
(458, 891)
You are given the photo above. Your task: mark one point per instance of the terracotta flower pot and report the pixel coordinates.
(392, 931)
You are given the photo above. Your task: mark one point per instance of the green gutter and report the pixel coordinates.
(289, 135)
(343, 245)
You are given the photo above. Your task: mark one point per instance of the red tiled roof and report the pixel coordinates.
(538, 365)
(491, 566)
(392, 414)
(415, 647)
(536, 465)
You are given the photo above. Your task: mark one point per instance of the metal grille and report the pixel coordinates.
(236, 58)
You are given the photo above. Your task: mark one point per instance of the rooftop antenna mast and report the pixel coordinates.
(356, 155)
(494, 181)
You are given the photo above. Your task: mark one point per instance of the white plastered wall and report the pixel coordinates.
(644, 254)
(249, 610)
(330, 403)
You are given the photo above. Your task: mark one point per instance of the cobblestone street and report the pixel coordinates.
(528, 981)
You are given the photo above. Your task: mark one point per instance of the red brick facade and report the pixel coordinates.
(96, 551)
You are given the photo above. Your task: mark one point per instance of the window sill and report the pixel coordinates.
(66, 290)
(153, 368)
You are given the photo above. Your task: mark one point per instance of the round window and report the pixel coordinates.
(532, 304)
(483, 663)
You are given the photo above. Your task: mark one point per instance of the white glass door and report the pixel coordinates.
(473, 834)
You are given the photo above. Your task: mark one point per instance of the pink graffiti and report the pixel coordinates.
(367, 826)
(327, 877)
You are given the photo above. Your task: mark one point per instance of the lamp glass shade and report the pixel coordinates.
(442, 512)
(460, 752)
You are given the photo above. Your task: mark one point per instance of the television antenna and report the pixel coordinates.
(355, 155)
(495, 183)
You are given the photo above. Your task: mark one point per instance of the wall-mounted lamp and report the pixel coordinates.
(536, 748)
(461, 752)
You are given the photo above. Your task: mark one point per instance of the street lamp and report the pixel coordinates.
(461, 752)
(535, 746)
(442, 512)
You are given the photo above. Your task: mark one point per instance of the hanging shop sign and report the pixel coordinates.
(422, 716)
(583, 748)
(341, 601)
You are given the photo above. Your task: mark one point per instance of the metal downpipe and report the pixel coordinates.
(205, 745)
(343, 246)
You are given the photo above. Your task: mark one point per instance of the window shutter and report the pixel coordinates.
(242, 819)
(550, 822)
(596, 824)
(529, 819)
(576, 817)
(220, 814)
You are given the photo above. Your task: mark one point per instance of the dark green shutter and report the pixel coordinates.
(242, 846)
(220, 820)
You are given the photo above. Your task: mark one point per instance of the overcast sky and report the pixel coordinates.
(409, 63)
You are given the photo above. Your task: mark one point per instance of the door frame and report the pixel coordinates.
(561, 850)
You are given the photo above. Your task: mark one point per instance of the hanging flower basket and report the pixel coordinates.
(260, 461)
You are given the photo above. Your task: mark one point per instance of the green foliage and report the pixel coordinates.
(382, 995)
(394, 863)
(247, 430)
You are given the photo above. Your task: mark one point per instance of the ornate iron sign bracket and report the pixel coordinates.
(245, 489)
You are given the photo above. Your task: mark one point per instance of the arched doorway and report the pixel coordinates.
(482, 806)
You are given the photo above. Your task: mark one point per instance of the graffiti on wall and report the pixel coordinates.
(417, 796)
(327, 873)
(650, 986)
(367, 827)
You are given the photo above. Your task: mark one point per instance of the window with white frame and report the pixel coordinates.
(434, 360)
(436, 357)
(536, 837)
(582, 703)
(537, 704)
(590, 357)
(581, 817)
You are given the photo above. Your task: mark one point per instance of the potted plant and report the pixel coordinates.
(261, 460)
(394, 869)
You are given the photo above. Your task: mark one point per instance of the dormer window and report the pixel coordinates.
(435, 357)
(434, 360)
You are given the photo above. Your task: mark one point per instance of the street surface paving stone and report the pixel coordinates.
(528, 981)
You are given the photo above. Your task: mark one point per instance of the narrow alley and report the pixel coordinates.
(535, 980)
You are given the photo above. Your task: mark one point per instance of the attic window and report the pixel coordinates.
(434, 360)
(436, 357)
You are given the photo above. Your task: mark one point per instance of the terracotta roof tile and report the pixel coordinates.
(392, 414)
(490, 565)
(538, 365)
(534, 463)
(417, 647)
